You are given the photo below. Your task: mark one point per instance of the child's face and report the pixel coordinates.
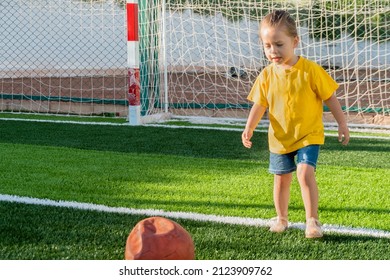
(279, 46)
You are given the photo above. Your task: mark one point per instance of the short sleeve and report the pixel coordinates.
(257, 93)
(325, 86)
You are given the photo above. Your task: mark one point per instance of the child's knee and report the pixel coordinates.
(283, 180)
(305, 173)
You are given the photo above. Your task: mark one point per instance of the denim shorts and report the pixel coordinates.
(285, 163)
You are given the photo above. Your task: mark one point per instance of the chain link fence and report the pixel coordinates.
(63, 56)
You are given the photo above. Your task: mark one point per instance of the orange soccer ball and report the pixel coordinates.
(158, 238)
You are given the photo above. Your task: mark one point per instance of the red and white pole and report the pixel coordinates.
(133, 63)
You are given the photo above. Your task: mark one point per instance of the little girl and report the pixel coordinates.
(293, 89)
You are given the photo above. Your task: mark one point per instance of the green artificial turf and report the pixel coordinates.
(189, 170)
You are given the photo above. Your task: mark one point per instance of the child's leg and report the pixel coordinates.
(309, 189)
(282, 166)
(282, 194)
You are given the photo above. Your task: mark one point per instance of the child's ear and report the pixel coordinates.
(296, 41)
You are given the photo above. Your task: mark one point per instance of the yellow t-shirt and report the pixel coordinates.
(294, 101)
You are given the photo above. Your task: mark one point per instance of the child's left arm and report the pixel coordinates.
(335, 108)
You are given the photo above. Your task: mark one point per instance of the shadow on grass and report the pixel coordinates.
(342, 239)
(358, 144)
(44, 232)
(189, 142)
(130, 139)
(251, 243)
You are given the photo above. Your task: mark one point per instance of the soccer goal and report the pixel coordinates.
(211, 53)
(197, 58)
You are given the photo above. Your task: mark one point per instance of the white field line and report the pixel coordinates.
(188, 215)
(64, 122)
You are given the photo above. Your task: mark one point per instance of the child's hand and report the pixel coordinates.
(246, 137)
(343, 135)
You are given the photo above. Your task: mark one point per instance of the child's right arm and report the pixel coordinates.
(338, 114)
(254, 118)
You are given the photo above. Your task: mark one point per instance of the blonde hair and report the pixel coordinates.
(280, 18)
